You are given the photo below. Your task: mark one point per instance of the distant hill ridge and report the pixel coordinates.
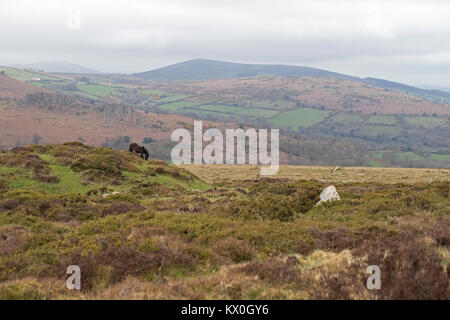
(205, 69)
(57, 67)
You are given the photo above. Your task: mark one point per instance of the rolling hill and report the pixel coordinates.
(205, 69)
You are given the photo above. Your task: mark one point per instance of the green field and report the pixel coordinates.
(442, 157)
(39, 84)
(200, 112)
(345, 118)
(377, 155)
(163, 96)
(97, 89)
(271, 104)
(303, 117)
(382, 119)
(23, 75)
(408, 155)
(176, 106)
(405, 155)
(260, 113)
(154, 92)
(426, 122)
(374, 130)
(372, 163)
(171, 97)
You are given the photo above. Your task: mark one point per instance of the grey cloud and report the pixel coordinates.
(366, 38)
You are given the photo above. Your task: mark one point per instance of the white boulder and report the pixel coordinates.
(329, 194)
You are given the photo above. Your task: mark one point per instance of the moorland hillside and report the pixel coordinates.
(149, 230)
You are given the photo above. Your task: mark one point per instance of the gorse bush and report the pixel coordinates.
(333, 240)
(308, 189)
(236, 250)
(46, 178)
(270, 207)
(119, 207)
(21, 157)
(276, 201)
(12, 239)
(8, 204)
(4, 184)
(24, 158)
(103, 163)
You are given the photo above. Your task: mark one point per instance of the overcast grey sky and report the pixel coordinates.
(405, 41)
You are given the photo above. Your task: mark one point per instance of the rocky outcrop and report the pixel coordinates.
(120, 112)
(114, 109)
(59, 102)
(49, 101)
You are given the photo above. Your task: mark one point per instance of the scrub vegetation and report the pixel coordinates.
(149, 230)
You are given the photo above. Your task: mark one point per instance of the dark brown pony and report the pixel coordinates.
(134, 147)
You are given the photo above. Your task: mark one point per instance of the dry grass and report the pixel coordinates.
(214, 173)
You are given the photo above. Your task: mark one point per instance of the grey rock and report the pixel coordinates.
(329, 194)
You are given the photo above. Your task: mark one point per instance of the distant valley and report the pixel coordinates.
(326, 118)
